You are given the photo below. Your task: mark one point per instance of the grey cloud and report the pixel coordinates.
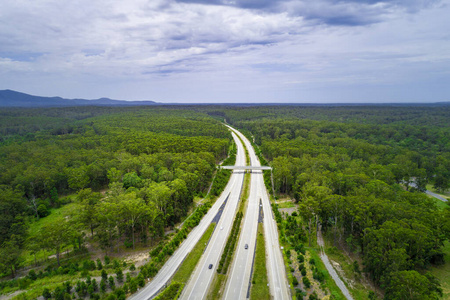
(331, 12)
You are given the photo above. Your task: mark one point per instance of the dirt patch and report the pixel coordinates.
(138, 259)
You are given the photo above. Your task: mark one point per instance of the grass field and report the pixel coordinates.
(286, 204)
(259, 289)
(188, 265)
(56, 215)
(36, 288)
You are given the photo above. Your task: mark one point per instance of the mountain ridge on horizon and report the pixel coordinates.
(11, 98)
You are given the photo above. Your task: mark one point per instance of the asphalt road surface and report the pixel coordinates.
(171, 266)
(200, 281)
(238, 282)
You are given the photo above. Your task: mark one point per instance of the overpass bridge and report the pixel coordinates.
(254, 168)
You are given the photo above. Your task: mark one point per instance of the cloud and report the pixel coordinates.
(331, 12)
(218, 46)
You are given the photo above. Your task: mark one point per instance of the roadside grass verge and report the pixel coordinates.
(443, 272)
(173, 291)
(357, 287)
(191, 260)
(440, 204)
(445, 194)
(260, 288)
(328, 283)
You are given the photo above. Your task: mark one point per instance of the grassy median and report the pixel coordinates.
(188, 265)
(260, 289)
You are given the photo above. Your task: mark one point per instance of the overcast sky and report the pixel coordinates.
(304, 51)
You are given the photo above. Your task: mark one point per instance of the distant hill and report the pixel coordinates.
(9, 98)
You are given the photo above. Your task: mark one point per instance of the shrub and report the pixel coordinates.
(94, 284)
(99, 264)
(133, 285)
(294, 281)
(306, 282)
(103, 285)
(104, 275)
(318, 275)
(46, 293)
(32, 275)
(119, 274)
(116, 264)
(141, 280)
(111, 282)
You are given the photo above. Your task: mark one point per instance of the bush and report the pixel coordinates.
(104, 275)
(42, 210)
(133, 285)
(94, 284)
(103, 285)
(318, 275)
(32, 275)
(141, 280)
(294, 281)
(119, 274)
(99, 264)
(120, 294)
(116, 264)
(306, 282)
(111, 282)
(46, 293)
(299, 294)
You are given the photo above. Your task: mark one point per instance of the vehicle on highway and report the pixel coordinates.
(246, 246)
(210, 266)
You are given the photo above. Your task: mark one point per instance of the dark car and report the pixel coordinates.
(210, 266)
(246, 246)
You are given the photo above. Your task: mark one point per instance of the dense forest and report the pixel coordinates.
(132, 172)
(358, 173)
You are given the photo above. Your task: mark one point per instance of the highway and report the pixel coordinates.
(200, 281)
(238, 282)
(170, 267)
(239, 276)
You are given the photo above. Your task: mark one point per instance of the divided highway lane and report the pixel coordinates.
(171, 266)
(238, 281)
(200, 281)
(275, 264)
